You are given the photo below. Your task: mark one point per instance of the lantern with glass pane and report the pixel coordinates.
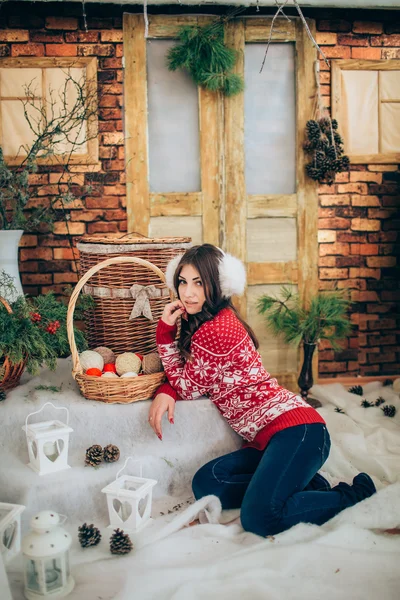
(46, 557)
(10, 530)
(129, 501)
(48, 443)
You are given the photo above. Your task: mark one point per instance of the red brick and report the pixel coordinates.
(332, 367)
(104, 202)
(365, 200)
(110, 114)
(389, 53)
(111, 88)
(334, 223)
(112, 139)
(352, 237)
(364, 249)
(114, 165)
(36, 279)
(385, 40)
(385, 357)
(29, 266)
(327, 273)
(368, 297)
(342, 177)
(88, 215)
(365, 176)
(367, 27)
(383, 324)
(352, 284)
(390, 189)
(336, 51)
(382, 340)
(112, 35)
(115, 190)
(327, 261)
(27, 50)
(61, 50)
(326, 236)
(335, 200)
(88, 37)
(334, 25)
(28, 241)
(14, 35)
(65, 278)
(108, 102)
(382, 236)
(381, 261)
(353, 40)
(58, 290)
(365, 225)
(111, 63)
(102, 228)
(95, 50)
(364, 272)
(66, 253)
(48, 37)
(61, 228)
(326, 249)
(349, 261)
(36, 254)
(116, 215)
(378, 213)
(353, 188)
(379, 308)
(69, 23)
(392, 296)
(366, 53)
(390, 200)
(382, 168)
(326, 213)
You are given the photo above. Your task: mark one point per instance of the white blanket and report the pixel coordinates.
(348, 557)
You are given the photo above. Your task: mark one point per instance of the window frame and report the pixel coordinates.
(338, 105)
(90, 65)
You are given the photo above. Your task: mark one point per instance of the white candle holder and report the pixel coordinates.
(48, 443)
(46, 558)
(129, 501)
(10, 530)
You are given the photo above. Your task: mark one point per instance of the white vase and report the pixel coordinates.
(9, 242)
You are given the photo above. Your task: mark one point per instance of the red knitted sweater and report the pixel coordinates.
(226, 367)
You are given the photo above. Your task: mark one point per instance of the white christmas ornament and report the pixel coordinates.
(46, 558)
(129, 374)
(128, 362)
(48, 443)
(109, 374)
(10, 530)
(90, 359)
(129, 501)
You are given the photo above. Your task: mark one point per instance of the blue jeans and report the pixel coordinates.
(270, 486)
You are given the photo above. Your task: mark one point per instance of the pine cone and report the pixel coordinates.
(120, 542)
(356, 389)
(94, 455)
(389, 410)
(3, 395)
(88, 535)
(365, 403)
(379, 401)
(387, 382)
(111, 453)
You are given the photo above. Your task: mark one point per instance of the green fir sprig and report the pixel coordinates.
(325, 318)
(202, 52)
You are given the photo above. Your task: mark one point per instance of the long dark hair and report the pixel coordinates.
(205, 259)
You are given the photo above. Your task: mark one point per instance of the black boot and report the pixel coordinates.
(318, 484)
(363, 487)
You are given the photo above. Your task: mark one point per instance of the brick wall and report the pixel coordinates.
(358, 226)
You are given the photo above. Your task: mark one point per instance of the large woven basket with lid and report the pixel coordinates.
(109, 324)
(10, 373)
(120, 389)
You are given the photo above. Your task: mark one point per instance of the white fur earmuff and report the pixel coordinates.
(232, 275)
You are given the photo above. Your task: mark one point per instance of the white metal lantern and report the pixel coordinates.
(129, 501)
(46, 558)
(10, 529)
(48, 443)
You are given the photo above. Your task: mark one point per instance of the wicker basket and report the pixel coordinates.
(110, 289)
(10, 373)
(112, 390)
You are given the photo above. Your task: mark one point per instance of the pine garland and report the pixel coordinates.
(204, 55)
(326, 146)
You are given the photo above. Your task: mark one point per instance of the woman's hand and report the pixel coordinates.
(172, 312)
(161, 404)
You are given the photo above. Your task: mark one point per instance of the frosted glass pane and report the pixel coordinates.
(176, 227)
(389, 82)
(390, 127)
(14, 82)
(360, 118)
(15, 129)
(58, 95)
(277, 356)
(271, 240)
(174, 141)
(270, 119)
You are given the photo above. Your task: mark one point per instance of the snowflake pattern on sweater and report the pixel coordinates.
(226, 367)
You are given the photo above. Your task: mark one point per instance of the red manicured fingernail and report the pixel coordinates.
(159, 436)
(171, 421)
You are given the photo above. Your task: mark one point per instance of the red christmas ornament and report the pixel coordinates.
(94, 372)
(36, 317)
(109, 368)
(139, 355)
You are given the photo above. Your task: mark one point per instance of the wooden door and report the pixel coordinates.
(274, 233)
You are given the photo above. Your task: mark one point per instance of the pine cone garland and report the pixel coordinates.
(88, 535)
(326, 145)
(94, 455)
(389, 410)
(356, 389)
(365, 404)
(379, 401)
(111, 453)
(120, 542)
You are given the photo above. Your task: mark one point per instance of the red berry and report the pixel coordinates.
(35, 317)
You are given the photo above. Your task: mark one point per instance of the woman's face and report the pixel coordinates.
(191, 289)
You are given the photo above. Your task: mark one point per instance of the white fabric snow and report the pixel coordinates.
(350, 556)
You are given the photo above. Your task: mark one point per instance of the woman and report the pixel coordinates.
(274, 477)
